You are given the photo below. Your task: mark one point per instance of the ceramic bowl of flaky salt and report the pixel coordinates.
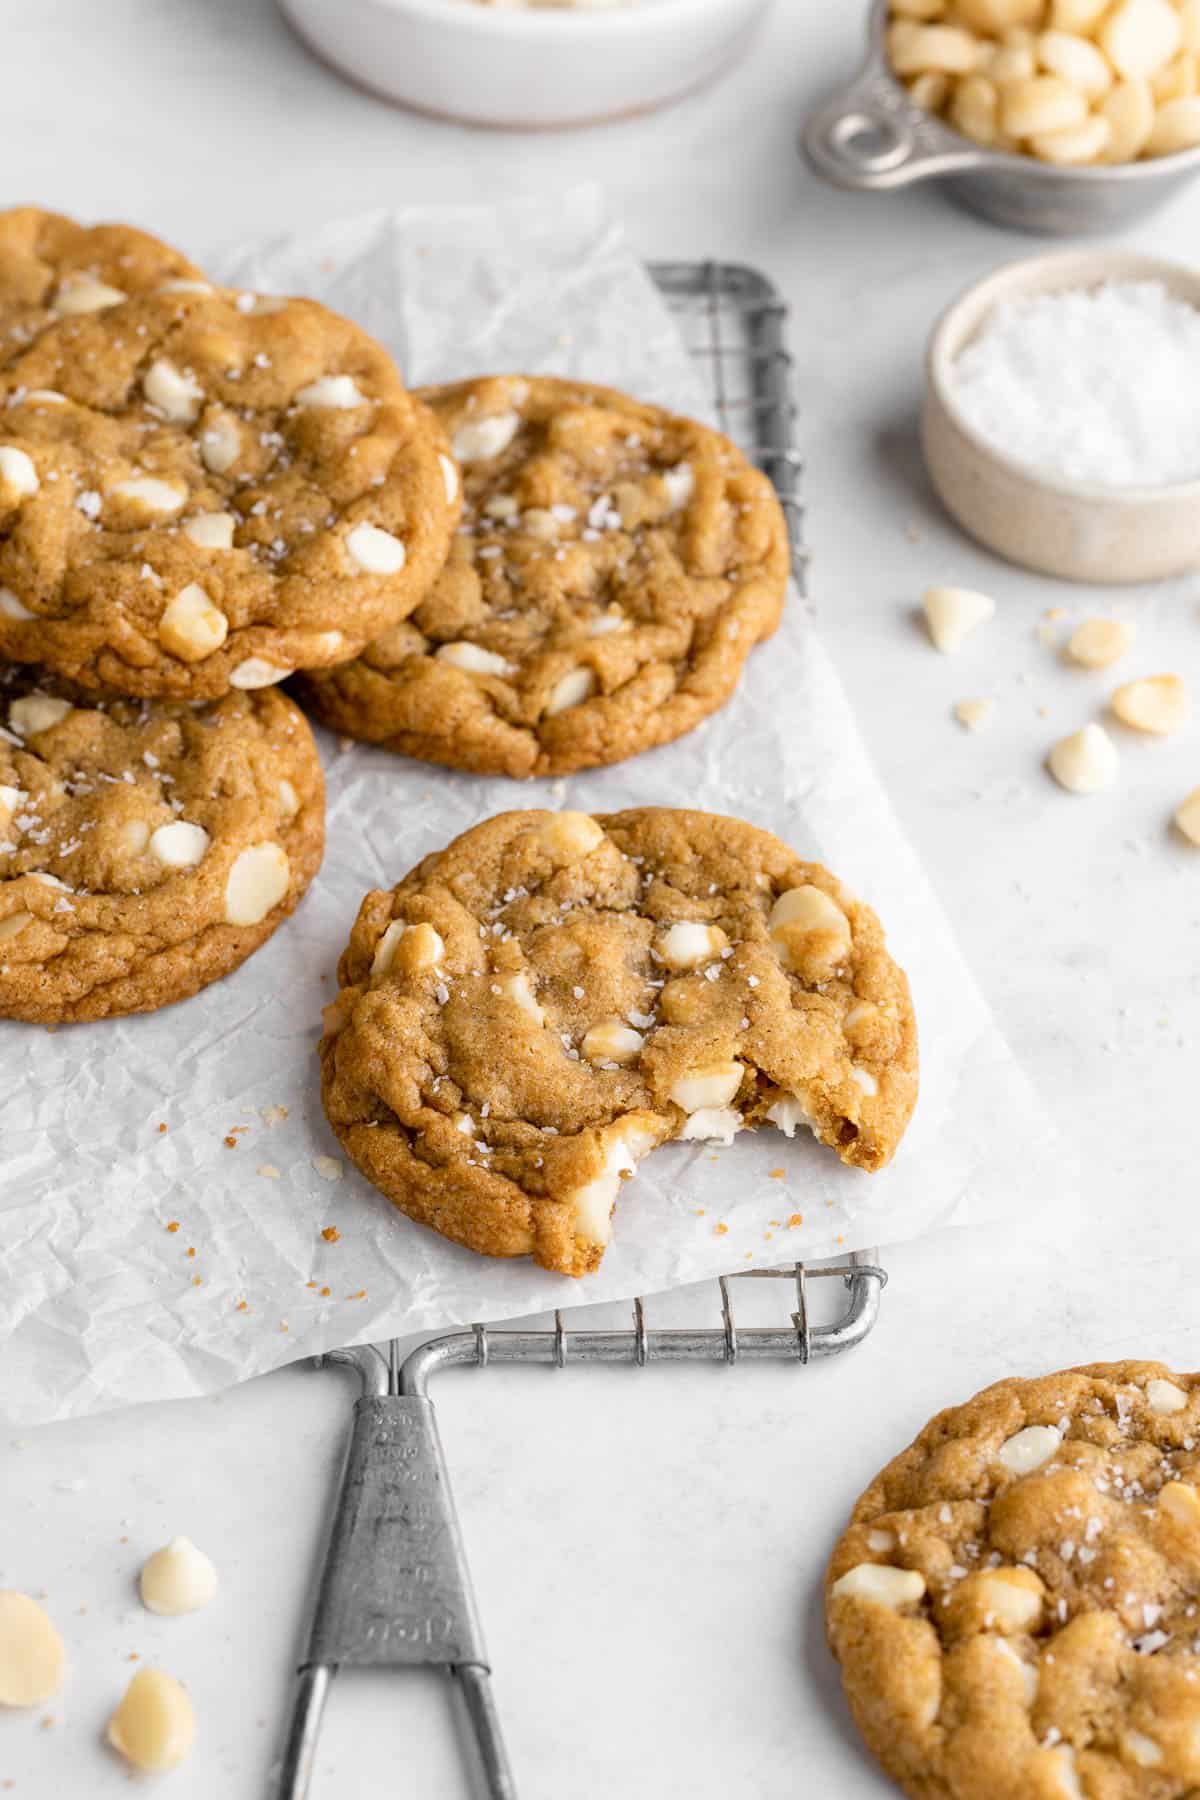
(1060, 422)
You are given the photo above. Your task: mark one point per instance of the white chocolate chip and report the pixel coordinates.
(1130, 110)
(1187, 817)
(192, 626)
(501, 506)
(612, 1041)
(570, 690)
(687, 944)
(220, 444)
(1176, 126)
(1159, 704)
(592, 1204)
(943, 49)
(568, 835)
(84, 294)
(154, 1727)
(1066, 1772)
(713, 1124)
(517, 988)
(134, 836)
(1180, 1503)
(45, 397)
(18, 475)
(177, 1579)
(11, 607)
(180, 285)
(211, 531)
(1099, 642)
(481, 439)
(33, 1659)
(179, 845)
(14, 924)
(1164, 1397)
(613, 620)
(289, 799)
(464, 1123)
(975, 715)
(680, 483)
(1141, 1750)
(257, 672)
(1043, 104)
(1140, 36)
(1076, 145)
(881, 1542)
(159, 498)
(953, 613)
(714, 1085)
(36, 712)
(423, 947)
(1086, 762)
(802, 913)
(12, 799)
(880, 1583)
(336, 393)
(541, 523)
(1028, 1671)
(176, 395)
(864, 1079)
(789, 1112)
(374, 550)
(1077, 60)
(1012, 1599)
(473, 658)
(256, 883)
(50, 881)
(1028, 1449)
(449, 477)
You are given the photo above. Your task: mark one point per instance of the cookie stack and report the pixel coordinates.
(204, 493)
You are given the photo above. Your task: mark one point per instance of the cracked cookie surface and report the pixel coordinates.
(146, 849)
(1016, 1604)
(615, 568)
(534, 1008)
(201, 491)
(53, 268)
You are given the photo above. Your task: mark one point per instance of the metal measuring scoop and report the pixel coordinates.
(870, 136)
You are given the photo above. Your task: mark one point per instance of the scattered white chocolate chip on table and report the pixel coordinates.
(1085, 762)
(1098, 643)
(953, 613)
(1187, 817)
(1158, 704)
(33, 1659)
(975, 715)
(177, 1579)
(154, 1727)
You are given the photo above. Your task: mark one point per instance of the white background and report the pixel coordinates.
(647, 1546)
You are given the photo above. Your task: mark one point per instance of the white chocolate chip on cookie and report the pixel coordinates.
(1028, 1449)
(568, 835)
(481, 439)
(179, 845)
(474, 659)
(11, 607)
(154, 498)
(612, 1041)
(375, 551)
(178, 396)
(36, 712)
(33, 1660)
(449, 477)
(714, 1085)
(415, 947)
(517, 988)
(570, 690)
(338, 393)
(256, 883)
(1164, 1397)
(257, 672)
(84, 294)
(712, 1124)
(210, 531)
(809, 930)
(688, 944)
(14, 925)
(18, 473)
(220, 443)
(881, 1584)
(192, 626)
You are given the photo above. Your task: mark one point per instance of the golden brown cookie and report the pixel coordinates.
(51, 269)
(535, 1007)
(615, 567)
(1016, 1604)
(146, 849)
(204, 491)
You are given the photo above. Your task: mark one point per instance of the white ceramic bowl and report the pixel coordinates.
(1078, 530)
(520, 67)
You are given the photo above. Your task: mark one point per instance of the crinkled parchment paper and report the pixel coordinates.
(140, 1262)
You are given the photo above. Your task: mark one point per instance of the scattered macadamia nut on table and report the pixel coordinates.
(1070, 82)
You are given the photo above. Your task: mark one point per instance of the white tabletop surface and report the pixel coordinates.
(648, 1546)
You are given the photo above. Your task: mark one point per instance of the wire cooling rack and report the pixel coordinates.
(394, 1589)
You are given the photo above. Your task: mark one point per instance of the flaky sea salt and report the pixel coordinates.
(1094, 385)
